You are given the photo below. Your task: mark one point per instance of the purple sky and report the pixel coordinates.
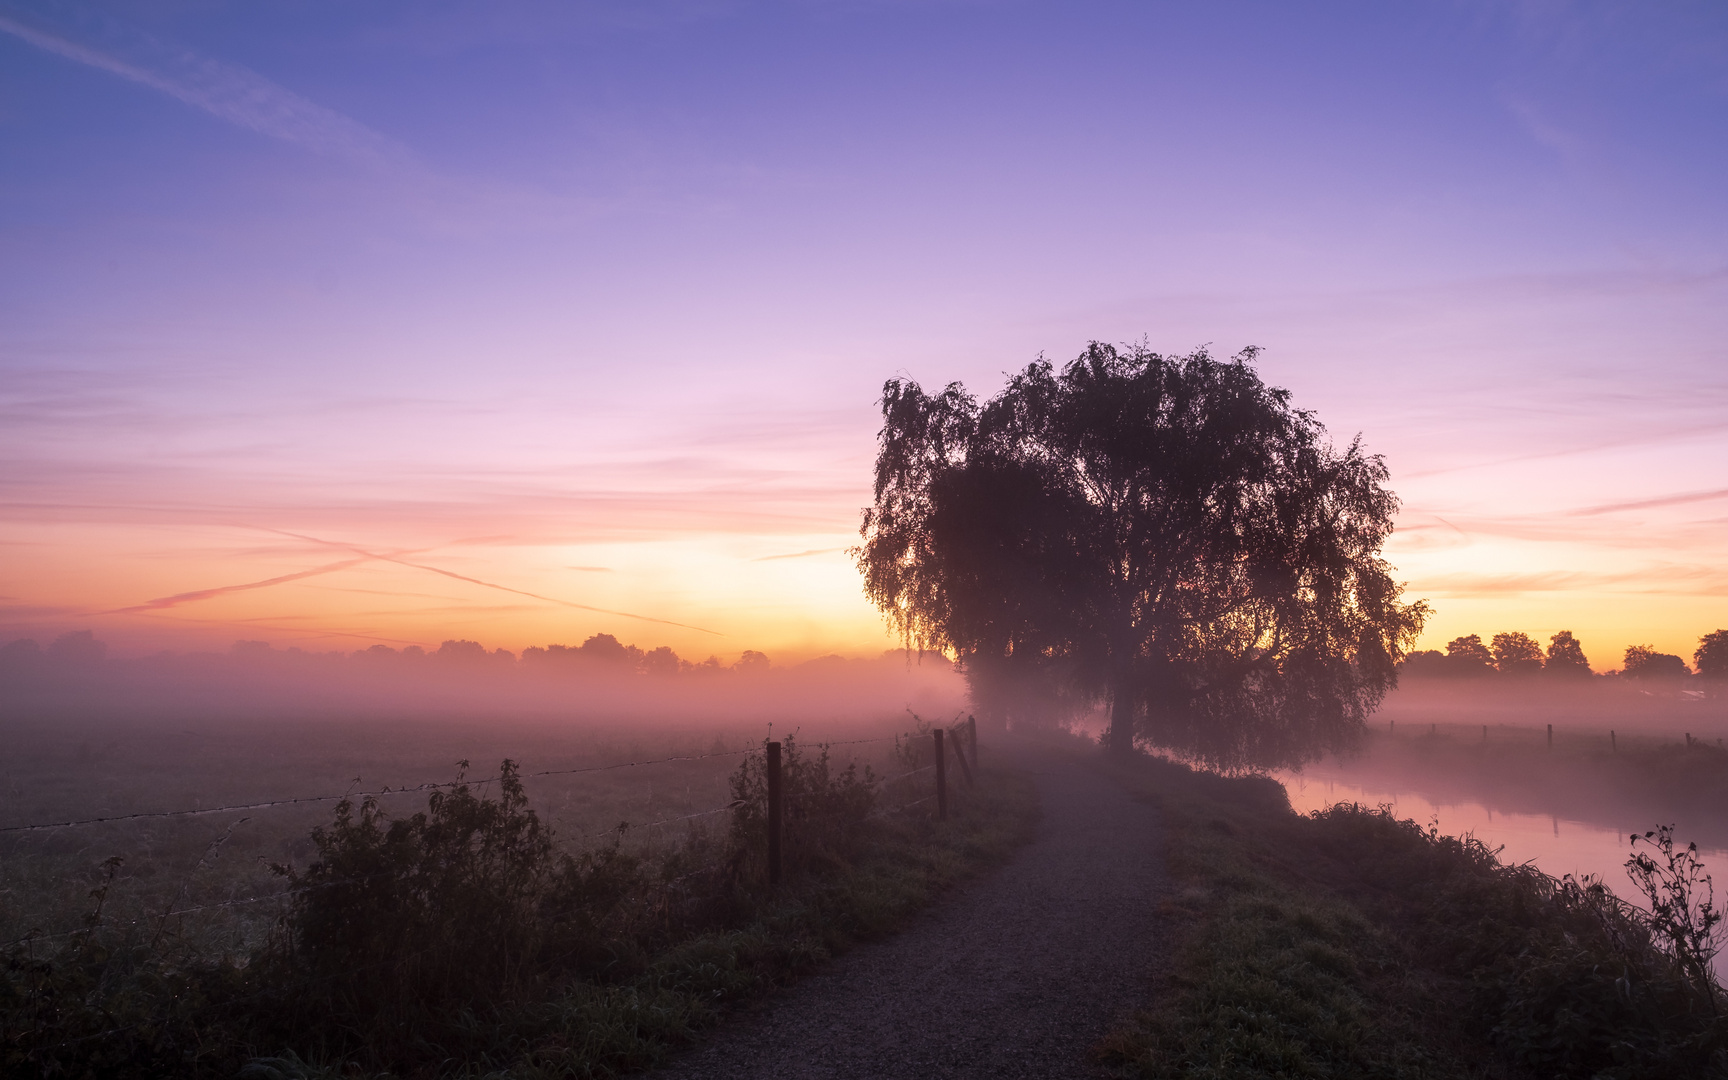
(593, 301)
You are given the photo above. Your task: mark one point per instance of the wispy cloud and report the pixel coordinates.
(227, 91)
(207, 594)
(492, 585)
(798, 554)
(1649, 504)
(1661, 580)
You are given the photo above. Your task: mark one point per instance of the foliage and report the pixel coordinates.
(1516, 653)
(461, 941)
(1350, 943)
(1468, 656)
(1644, 662)
(826, 810)
(1165, 531)
(1510, 653)
(1566, 655)
(1683, 912)
(1711, 658)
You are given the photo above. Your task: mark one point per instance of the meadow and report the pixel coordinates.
(564, 900)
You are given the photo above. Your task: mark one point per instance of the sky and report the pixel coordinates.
(335, 324)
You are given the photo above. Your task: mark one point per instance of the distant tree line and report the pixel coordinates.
(1518, 654)
(80, 650)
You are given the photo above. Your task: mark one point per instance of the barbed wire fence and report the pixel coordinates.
(884, 786)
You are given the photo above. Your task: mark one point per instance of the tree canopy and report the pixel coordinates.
(1644, 662)
(1468, 656)
(1168, 533)
(1711, 658)
(1566, 655)
(1516, 653)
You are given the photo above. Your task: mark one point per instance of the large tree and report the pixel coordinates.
(1516, 653)
(1168, 533)
(1712, 655)
(1566, 655)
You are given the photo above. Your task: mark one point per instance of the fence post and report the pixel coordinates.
(941, 778)
(774, 813)
(1484, 734)
(972, 738)
(1550, 736)
(1613, 744)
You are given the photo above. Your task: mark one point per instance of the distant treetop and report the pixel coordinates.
(1644, 662)
(1566, 655)
(1516, 653)
(1712, 655)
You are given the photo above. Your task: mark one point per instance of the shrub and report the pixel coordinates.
(825, 810)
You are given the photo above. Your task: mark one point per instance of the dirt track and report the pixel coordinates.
(1016, 976)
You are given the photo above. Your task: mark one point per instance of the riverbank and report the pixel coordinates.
(1351, 944)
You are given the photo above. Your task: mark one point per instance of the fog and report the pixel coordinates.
(1475, 756)
(603, 681)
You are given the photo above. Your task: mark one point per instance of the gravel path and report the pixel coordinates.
(1015, 976)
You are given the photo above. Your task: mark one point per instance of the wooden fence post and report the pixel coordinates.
(972, 738)
(1550, 736)
(1613, 744)
(941, 778)
(774, 813)
(1484, 734)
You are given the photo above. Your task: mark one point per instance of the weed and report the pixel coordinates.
(1683, 912)
(1349, 943)
(464, 940)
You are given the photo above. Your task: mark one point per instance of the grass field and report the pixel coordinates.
(623, 942)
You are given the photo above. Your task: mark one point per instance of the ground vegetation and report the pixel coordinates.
(1349, 943)
(466, 939)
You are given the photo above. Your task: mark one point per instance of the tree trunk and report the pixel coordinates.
(1122, 709)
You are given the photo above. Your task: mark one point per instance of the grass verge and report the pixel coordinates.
(459, 943)
(1350, 944)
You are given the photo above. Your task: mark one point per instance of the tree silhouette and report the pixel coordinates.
(1644, 662)
(1517, 653)
(1468, 656)
(1711, 659)
(1566, 656)
(1165, 532)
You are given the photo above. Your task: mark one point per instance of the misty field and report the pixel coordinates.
(61, 772)
(617, 869)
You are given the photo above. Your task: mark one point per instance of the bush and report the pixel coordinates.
(1349, 943)
(461, 940)
(826, 811)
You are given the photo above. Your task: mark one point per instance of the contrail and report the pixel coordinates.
(204, 594)
(799, 554)
(1646, 504)
(488, 584)
(231, 93)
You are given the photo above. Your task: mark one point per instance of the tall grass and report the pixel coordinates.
(1349, 943)
(465, 939)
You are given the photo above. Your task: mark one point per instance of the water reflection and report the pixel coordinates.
(1557, 845)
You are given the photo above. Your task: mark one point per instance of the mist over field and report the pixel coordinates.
(602, 681)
